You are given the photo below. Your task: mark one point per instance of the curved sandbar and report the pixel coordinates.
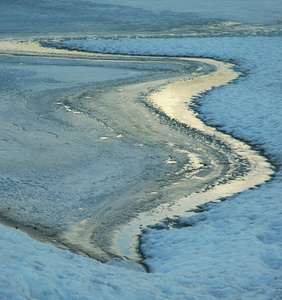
(213, 164)
(174, 100)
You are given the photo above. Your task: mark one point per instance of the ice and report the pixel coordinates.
(232, 251)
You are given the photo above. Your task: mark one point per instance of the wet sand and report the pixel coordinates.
(91, 162)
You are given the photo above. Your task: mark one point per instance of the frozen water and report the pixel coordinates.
(233, 250)
(61, 170)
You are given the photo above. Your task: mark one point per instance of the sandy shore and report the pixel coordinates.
(188, 163)
(174, 100)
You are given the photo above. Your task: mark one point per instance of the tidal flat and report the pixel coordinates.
(93, 143)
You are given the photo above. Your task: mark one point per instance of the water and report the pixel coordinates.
(110, 18)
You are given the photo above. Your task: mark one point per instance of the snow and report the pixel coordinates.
(40, 271)
(232, 250)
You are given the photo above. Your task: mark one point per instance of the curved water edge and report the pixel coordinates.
(171, 101)
(174, 100)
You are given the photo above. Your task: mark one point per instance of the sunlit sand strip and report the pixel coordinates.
(174, 100)
(30, 47)
(33, 48)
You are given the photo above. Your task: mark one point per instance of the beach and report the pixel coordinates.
(155, 148)
(80, 215)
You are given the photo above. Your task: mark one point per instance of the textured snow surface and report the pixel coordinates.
(233, 249)
(32, 270)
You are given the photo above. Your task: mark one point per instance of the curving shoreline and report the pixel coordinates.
(173, 100)
(177, 94)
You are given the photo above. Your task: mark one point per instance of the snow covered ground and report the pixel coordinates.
(230, 251)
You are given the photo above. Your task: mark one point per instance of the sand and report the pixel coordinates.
(156, 171)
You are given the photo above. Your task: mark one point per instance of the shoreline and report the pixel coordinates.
(179, 92)
(173, 100)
